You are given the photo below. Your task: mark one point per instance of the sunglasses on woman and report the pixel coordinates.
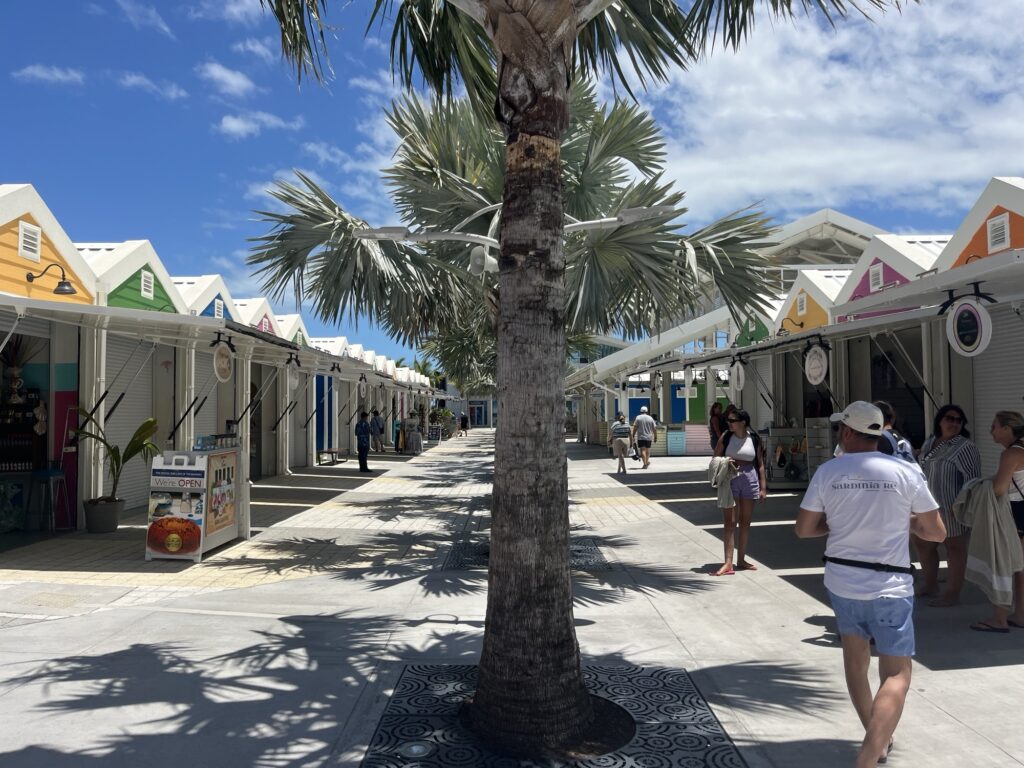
(953, 418)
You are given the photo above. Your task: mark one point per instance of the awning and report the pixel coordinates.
(639, 354)
(1002, 275)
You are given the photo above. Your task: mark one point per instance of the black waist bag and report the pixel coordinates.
(883, 567)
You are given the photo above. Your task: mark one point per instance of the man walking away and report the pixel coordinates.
(363, 441)
(867, 504)
(463, 425)
(377, 431)
(645, 433)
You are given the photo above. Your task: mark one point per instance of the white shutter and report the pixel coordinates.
(296, 434)
(136, 406)
(998, 233)
(801, 303)
(30, 239)
(206, 386)
(998, 383)
(875, 278)
(146, 288)
(761, 412)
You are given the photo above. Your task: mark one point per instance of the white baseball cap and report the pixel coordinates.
(861, 417)
(643, 409)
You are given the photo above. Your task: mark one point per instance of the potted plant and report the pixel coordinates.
(102, 514)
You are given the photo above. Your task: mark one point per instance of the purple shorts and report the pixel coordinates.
(745, 485)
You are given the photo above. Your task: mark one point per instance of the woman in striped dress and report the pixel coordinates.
(949, 459)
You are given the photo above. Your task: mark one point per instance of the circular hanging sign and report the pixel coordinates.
(968, 328)
(738, 376)
(361, 387)
(816, 365)
(223, 363)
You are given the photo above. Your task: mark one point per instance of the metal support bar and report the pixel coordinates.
(285, 412)
(906, 385)
(108, 414)
(906, 357)
(763, 390)
(14, 326)
(260, 393)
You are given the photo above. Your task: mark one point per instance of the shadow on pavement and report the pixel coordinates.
(290, 697)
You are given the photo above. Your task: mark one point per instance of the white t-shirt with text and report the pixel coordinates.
(868, 499)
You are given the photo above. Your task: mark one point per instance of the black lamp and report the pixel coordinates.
(798, 324)
(64, 287)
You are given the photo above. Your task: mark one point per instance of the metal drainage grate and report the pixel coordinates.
(584, 555)
(675, 725)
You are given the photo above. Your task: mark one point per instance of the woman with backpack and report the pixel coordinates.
(743, 447)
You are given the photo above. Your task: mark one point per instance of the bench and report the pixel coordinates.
(332, 454)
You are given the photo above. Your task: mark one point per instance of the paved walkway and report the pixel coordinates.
(281, 651)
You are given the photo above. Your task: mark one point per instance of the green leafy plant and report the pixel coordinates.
(115, 457)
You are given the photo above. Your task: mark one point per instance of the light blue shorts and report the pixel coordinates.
(889, 620)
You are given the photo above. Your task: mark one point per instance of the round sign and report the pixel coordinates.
(816, 365)
(361, 387)
(222, 363)
(737, 376)
(968, 327)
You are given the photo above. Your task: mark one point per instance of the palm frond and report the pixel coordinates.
(732, 22)
(303, 35)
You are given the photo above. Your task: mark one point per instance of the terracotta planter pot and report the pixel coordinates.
(102, 516)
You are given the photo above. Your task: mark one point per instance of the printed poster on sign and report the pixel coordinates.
(176, 510)
(738, 376)
(223, 363)
(968, 327)
(220, 498)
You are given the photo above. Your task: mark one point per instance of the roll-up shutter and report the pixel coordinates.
(136, 407)
(998, 383)
(296, 434)
(761, 409)
(206, 386)
(27, 326)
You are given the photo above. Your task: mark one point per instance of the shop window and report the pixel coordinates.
(998, 233)
(218, 309)
(29, 240)
(147, 284)
(875, 278)
(801, 304)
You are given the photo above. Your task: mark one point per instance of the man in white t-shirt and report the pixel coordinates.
(645, 434)
(867, 504)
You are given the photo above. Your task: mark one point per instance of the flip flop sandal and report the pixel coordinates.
(1014, 624)
(982, 626)
(888, 751)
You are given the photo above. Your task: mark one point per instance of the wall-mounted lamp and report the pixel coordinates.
(293, 358)
(64, 287)
(335, 368)
(797, 323)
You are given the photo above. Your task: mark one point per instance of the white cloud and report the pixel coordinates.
(247, 124)
(140, 16)
(244, 12)
(258, 48)
(165, 89)
(43, 73)
(229, 82)
(914, 111)
(237, 274)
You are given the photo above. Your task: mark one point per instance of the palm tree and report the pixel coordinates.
(530, 697)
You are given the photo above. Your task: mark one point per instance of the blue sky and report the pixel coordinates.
(168, 121)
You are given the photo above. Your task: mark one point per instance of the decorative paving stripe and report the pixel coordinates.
(674, 725)
(584, 555)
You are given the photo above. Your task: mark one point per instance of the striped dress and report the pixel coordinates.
(948, 466)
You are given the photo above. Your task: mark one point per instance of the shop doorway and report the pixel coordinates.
(478, 414)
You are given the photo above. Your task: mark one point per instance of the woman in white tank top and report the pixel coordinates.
(743, 447)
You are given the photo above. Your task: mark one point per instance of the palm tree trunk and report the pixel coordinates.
(531, 697)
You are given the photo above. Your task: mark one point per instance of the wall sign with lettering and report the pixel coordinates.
(968, 327)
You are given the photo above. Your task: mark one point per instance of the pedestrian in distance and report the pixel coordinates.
(867, 504)
(743, 447)
(1008, 431)
(948, 459)
(715, 424)
(463, 425)
(377, 431)
(645, 434)
(891, 443)
(618, 439)
(363, 441)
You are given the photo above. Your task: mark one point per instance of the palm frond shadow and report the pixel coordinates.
(284, 698)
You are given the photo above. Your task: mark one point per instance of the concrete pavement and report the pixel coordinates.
(280, 651)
